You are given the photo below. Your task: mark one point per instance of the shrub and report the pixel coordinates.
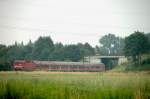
(146, 61)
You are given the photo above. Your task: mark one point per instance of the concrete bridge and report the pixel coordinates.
(109, 61)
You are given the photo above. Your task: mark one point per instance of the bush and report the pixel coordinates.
(146, 61)
(5, 65)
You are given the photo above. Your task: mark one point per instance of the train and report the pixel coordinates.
(24, 65)
(57, 66)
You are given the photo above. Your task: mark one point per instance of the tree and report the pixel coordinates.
(86, 49)
(58, 53)
(3, 51)
(111, 45)
(72, 53)
(28, 49)
(135, 45)
(89, 50)
(15, 52)
(148, 35)
(97, 49)
(5, 63)
(43, 48)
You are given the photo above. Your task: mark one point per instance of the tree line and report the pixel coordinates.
(133, 46)
(43, 49)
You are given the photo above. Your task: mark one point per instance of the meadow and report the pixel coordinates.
(74, 85)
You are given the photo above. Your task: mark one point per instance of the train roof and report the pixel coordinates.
(60, 63)
(64, 63)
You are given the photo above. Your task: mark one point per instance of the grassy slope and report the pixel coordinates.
(131, 68)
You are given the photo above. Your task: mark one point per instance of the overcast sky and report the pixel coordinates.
(71, 21)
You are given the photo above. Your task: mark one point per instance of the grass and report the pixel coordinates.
(69, 85)
(131, 68)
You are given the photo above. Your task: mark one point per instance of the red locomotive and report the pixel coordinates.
(24, 65)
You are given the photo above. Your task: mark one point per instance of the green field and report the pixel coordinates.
(74, 85)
